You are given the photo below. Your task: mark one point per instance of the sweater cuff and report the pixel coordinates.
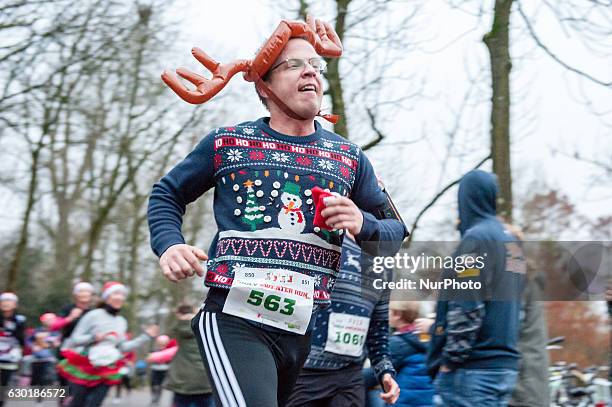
(382, 367)
(369, 227)
(168, 240)
(382, 374)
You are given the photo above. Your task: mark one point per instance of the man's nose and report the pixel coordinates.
(309, 71)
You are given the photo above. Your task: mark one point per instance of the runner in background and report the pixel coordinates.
(127, 372)
(356, 324)
(12, 337)
(159, 368)
(186, 377)
(94, 352)
(44, 346)
(69, 315)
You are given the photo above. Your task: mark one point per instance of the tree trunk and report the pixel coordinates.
(333, 73)
(142, 36)
(497, 41)
(13, 271)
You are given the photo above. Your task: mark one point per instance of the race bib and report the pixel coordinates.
(346, 334)
(275, 297)
(103, 355)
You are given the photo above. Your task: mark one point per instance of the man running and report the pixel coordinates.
(270, 267)
(356, 321)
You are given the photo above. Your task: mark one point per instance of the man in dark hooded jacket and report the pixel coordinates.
(473, 354)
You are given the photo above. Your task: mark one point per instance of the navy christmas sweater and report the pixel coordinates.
(354, 294)
(263, 204)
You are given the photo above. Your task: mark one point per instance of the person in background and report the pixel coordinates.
(47, 320)
(69, 315)
(12, 339)
(408, 349)
(532, 387)
(94, 352)
(186, 377)
(355, 324)
(159, 368)
(127, 372)
(474, 346)
(43, 357)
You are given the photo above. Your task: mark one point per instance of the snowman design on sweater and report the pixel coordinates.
(268, 183)
(291, 216)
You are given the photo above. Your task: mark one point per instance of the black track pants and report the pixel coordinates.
(248, 366)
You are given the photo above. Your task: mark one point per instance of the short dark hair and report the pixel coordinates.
(266, 76)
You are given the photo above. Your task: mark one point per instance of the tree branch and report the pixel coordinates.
(379, 135)
(554, 56)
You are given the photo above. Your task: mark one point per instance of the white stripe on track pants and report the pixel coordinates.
(249, 366)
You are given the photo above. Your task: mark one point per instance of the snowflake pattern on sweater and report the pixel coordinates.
(263, 202)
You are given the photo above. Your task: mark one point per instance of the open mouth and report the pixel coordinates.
(308, 88)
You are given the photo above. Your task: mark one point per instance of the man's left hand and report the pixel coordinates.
(342, 213)
(392, 390)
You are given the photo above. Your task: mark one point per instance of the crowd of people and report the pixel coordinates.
(87, 347)
(467, 355)
(290, 317)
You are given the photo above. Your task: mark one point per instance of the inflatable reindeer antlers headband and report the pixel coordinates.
(319, 34)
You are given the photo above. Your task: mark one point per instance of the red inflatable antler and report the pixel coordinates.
(319, 34)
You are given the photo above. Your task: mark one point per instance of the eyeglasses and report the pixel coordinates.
(299, 63)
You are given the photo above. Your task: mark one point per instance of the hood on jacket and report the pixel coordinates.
(477, 198)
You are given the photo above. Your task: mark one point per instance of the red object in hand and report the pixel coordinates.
(318, 195)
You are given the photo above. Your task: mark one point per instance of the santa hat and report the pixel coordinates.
(82, 286)
(113, 287)
(9, 296)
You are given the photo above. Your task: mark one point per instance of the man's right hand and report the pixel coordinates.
(181, 260)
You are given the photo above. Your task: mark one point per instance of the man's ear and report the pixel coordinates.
(261, 90)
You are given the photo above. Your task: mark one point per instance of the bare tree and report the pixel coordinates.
(498, 43)
(98, 131)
